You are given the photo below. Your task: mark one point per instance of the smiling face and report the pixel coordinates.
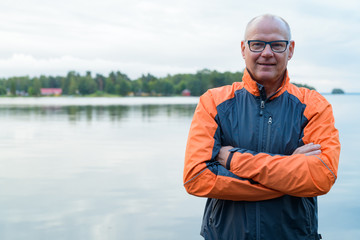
(267, 67)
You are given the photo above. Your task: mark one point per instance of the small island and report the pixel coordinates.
(337, 91)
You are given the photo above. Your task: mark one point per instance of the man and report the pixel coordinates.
(262, 149)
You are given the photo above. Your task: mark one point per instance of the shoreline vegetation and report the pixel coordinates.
(118, 84)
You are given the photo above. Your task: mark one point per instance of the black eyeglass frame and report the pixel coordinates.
(266, 43)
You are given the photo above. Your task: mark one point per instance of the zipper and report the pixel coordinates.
(262, 106)
(261, 127)
(268, 135)
(261, 130)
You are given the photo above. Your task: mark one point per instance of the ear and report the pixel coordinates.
(243, 48)
(291, 49)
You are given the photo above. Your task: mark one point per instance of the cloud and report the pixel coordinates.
(60, 66)
(162, 37)
(323, 78)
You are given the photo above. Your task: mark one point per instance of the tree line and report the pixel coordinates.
(117, 83)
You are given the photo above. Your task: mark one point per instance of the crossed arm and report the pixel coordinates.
(296, 175)
(309, 171)
(308, 150)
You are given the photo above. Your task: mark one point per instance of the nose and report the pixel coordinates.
(267, 51)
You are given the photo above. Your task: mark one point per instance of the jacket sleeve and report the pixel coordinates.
(298, 175)
(203, 175)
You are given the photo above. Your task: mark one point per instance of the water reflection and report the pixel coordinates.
(87, 171)
(149, 111)
(114, 172)
(114, 113)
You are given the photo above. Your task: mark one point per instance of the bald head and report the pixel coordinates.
(267, 17)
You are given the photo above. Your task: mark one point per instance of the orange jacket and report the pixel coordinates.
(265, 133)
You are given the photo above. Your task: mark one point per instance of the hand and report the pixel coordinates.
(308, 149)
(223, 155)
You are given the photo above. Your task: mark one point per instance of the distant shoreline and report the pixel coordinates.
(347, 93)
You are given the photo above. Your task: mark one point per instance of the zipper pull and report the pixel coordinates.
(262, 106)
(270, 121)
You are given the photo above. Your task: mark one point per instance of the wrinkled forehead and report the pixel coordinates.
(267, 25)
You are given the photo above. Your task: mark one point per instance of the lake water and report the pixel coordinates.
(111, 168)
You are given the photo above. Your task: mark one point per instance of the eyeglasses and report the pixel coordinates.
(278, 46)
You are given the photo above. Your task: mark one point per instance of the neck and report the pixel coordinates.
(271, 86)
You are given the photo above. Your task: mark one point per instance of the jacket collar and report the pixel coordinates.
(255, 88)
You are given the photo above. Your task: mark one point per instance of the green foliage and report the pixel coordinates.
(12, 87)
(73, 86)
(36, 87)
(123, 87)
(122, 84)
(304, 85)
(147, 83)
(100, 81)
(3, 90)
(31, 91)
(110, 86)
(87, 84)
(119, 84)
(72, 77)
(136, 86)
(178, 88)
(101, 94)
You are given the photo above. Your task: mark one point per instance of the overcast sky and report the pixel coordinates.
(167, 37)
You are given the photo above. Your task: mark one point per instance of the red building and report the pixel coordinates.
(186, 92)
(51, 91)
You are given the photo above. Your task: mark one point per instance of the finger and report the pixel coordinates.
(305, 146)
(313, 147)
(316, 152)
(310, 147)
